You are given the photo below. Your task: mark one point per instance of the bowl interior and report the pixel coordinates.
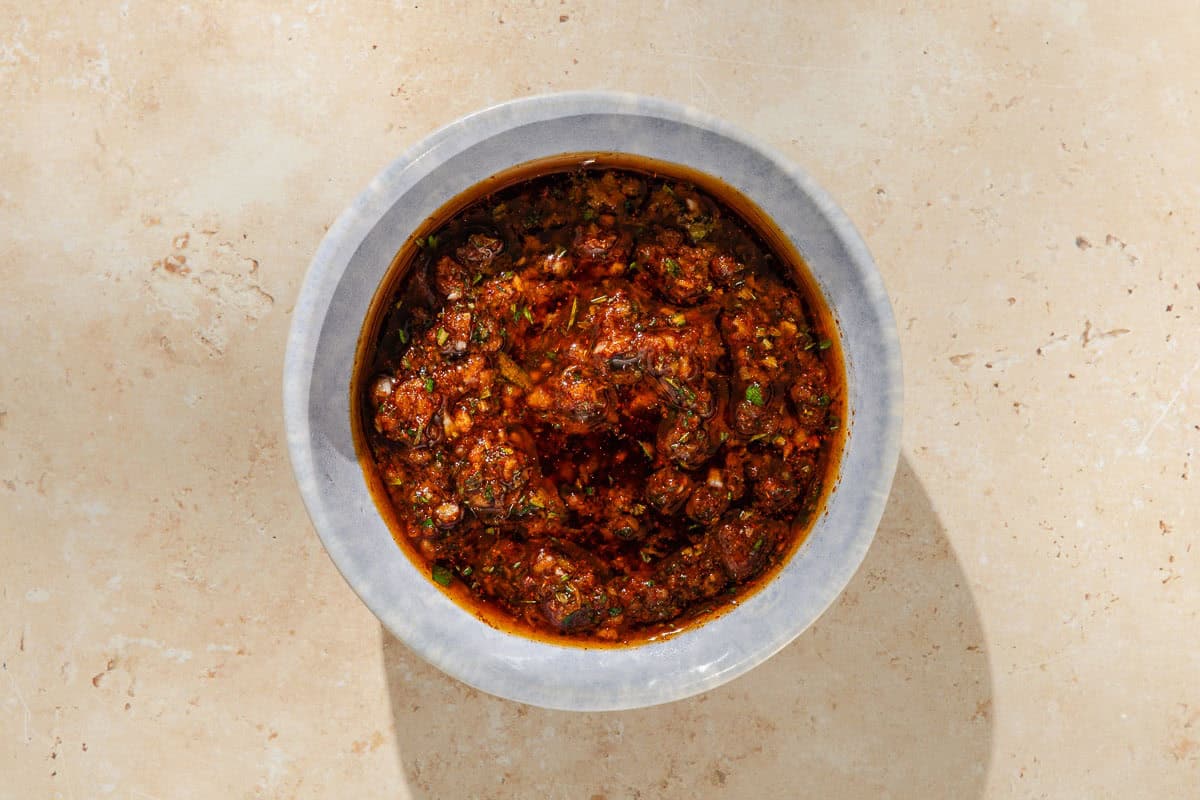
(353, 260)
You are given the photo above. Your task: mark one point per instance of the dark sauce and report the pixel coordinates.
(598, 399)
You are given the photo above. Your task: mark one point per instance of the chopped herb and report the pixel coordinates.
(824, 344)
(466, 571)
(757, 545)
(671, 266)
(589, 491)
(834, 422)
(512, 372)
(588, 215)
(395, 480)
(824, 400)
(442, 336)
(526, 313)
(516, 565)
(678, 319)
(431, 241)
(758, 436)
(603, 298)
(426, 523)
(429, 384)
(574, 311)
(614, 611)
(477, 278)
(442, 575)
(754, 395)
(634, 266)
(699, 230)
(403, 334)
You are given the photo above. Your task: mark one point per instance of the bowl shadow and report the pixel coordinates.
(887, 695)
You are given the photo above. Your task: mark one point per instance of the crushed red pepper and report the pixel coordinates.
(600, 405)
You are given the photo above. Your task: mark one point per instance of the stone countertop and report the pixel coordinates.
(1024, 625)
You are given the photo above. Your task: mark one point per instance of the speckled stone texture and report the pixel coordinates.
(1024, 625)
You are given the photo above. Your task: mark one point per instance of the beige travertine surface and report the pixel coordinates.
(1026, 174)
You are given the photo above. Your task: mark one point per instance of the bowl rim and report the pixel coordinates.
(334, 257)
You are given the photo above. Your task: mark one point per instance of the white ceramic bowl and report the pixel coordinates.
(333, 301)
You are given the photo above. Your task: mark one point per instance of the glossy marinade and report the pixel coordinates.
(599, 405)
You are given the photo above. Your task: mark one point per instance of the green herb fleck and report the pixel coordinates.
(678, 319)
(754, 395)
(834, 422)
(526, 313)
(671, 266)
(824, 344)
(614, 611)
(588, 215)
(426, 523)
(574, 311)
(442, 575)
(699, 230)
(466, 571)
(603, 298)
(429, 384)
(824, 400)
(403, 334)
(442, 336)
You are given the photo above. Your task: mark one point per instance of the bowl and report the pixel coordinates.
(348, 268)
